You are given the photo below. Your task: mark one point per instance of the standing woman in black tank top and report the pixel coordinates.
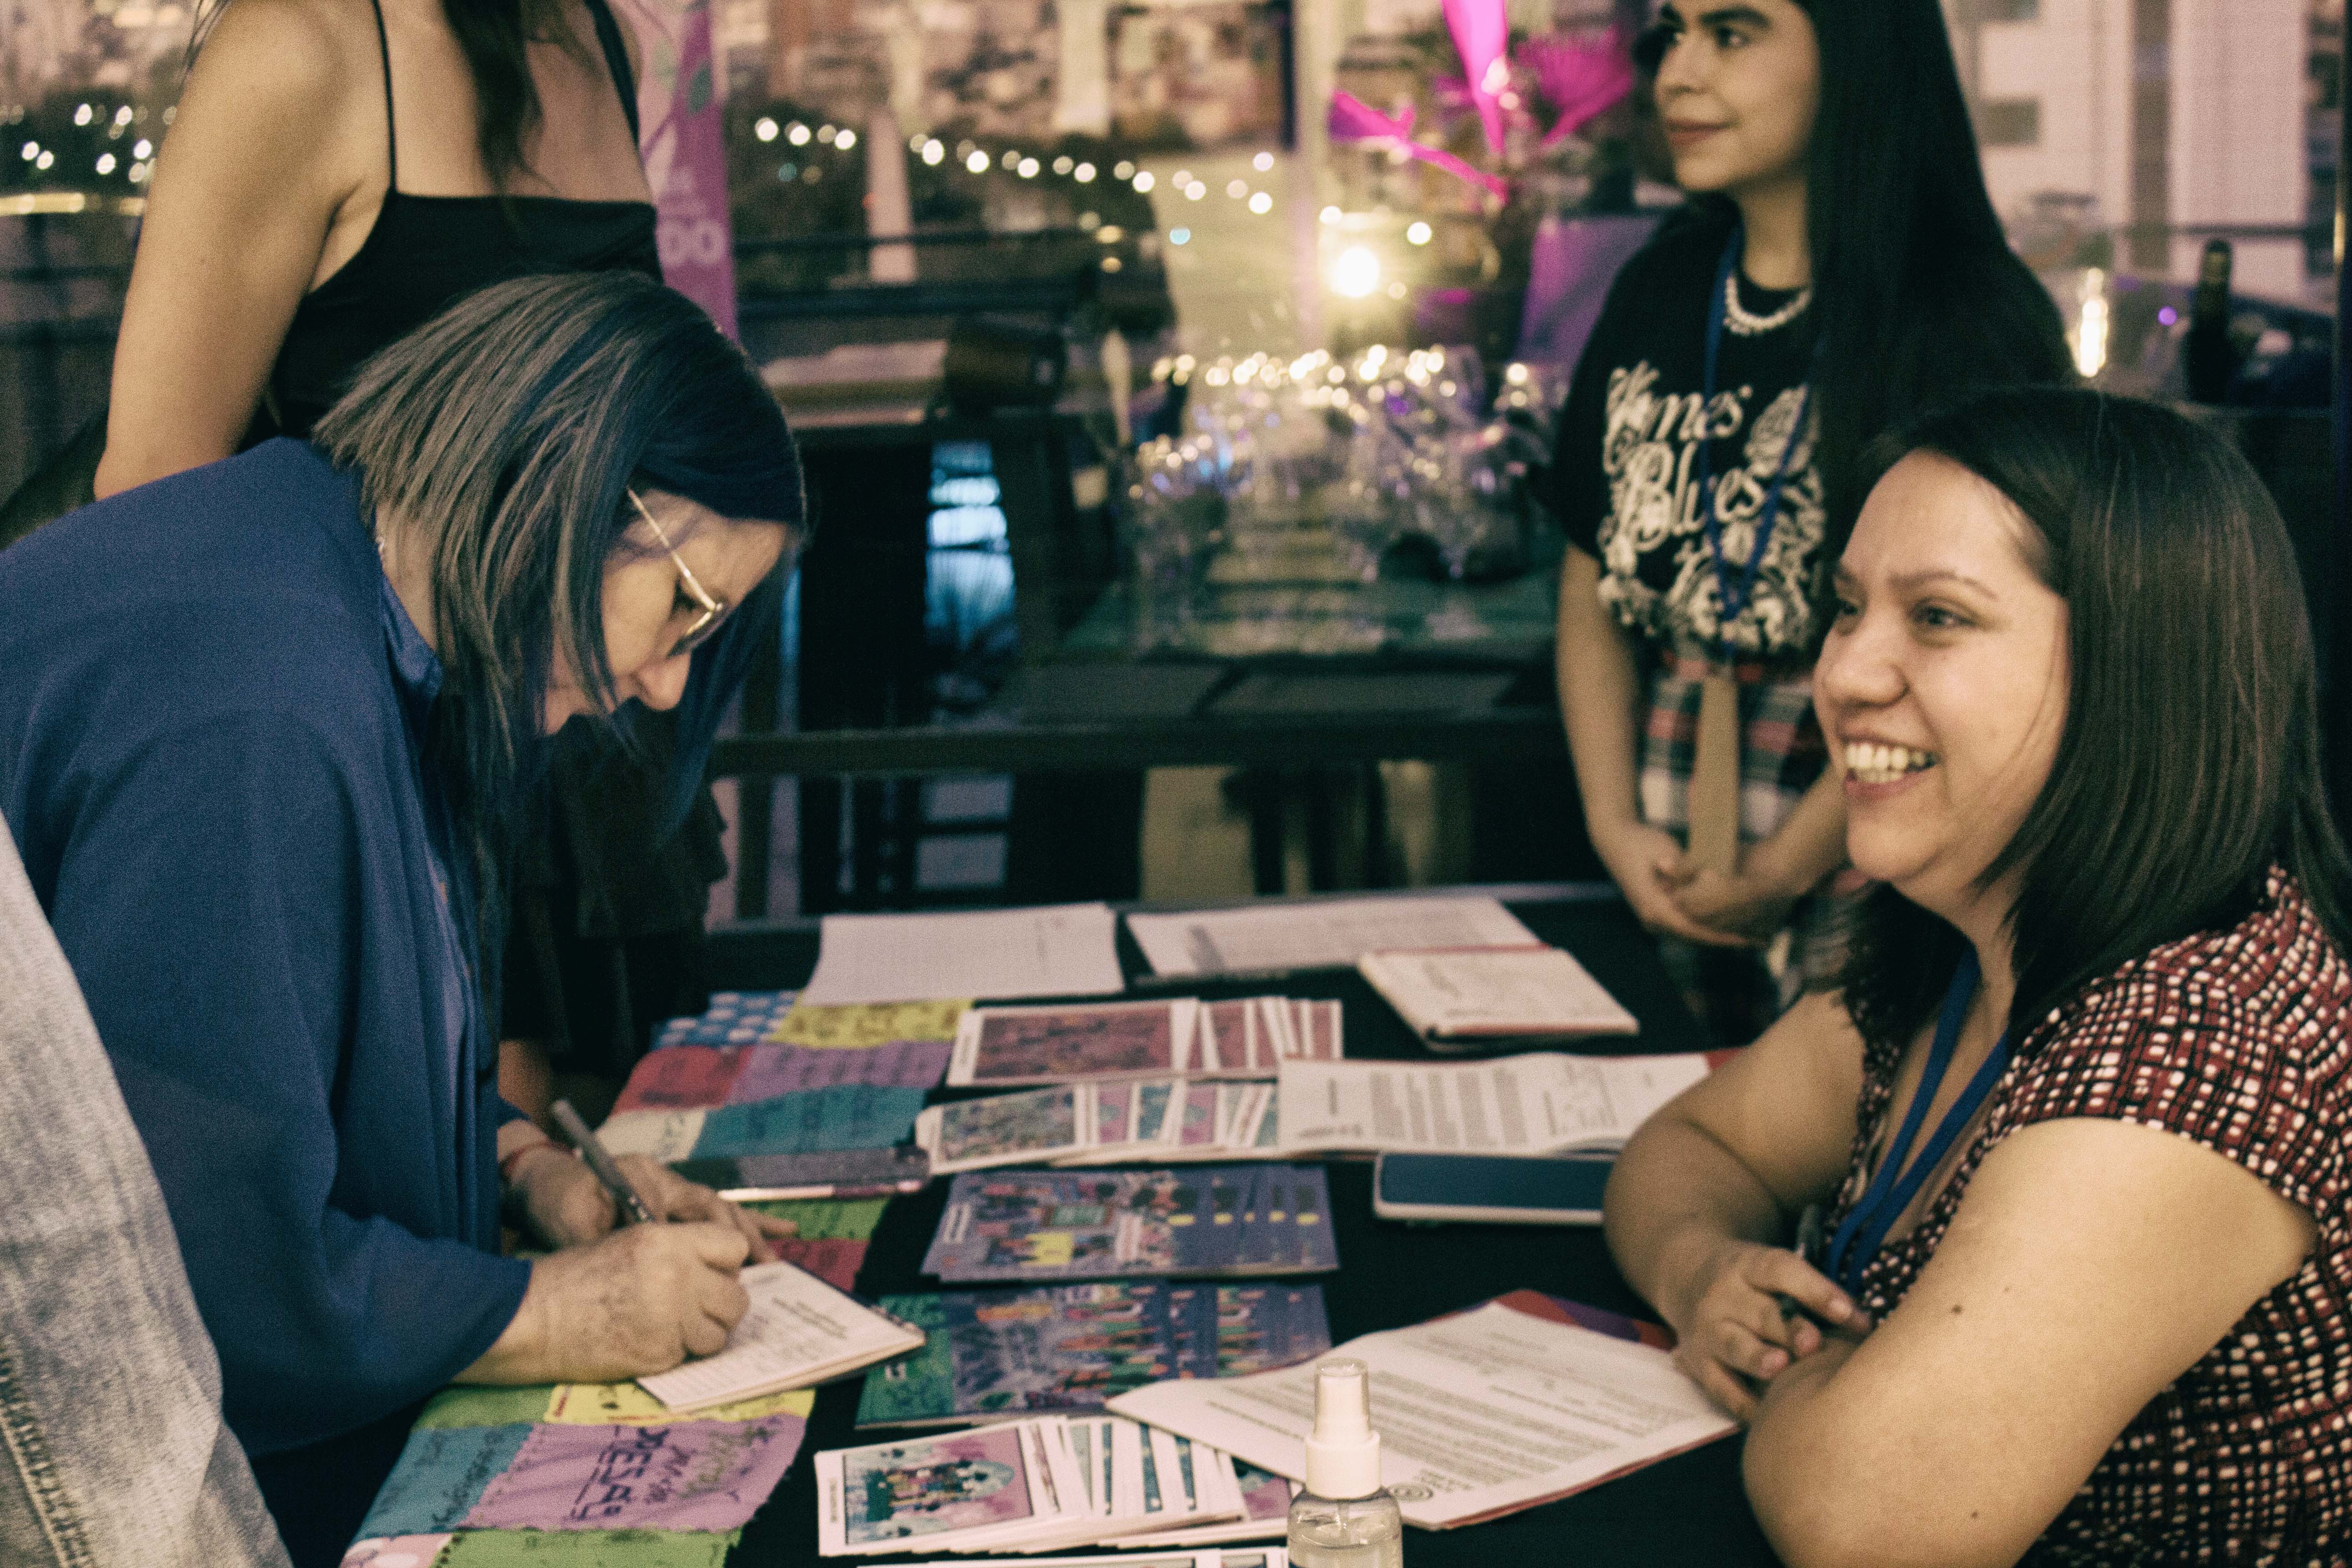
(339, 171)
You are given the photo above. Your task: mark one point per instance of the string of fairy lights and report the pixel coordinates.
(96, 145)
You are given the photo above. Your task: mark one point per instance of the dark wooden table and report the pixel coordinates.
(1688, 1510)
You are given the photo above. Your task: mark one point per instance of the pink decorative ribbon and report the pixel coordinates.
(1579, 80)
(1353, 120)
(1482, 30)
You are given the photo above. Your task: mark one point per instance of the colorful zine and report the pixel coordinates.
(1007, 1047)
(995, 1353)
(1039, 1225)
(955, 1491)
(1032, 1125)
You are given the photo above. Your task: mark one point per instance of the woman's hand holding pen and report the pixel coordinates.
(640, 1300)
(564, 1205)
(1733, 1333)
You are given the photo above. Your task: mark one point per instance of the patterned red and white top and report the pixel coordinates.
(2241, 1041)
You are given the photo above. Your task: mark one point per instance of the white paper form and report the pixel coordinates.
(798, 1330)
(1493, 1410)
(1325, 934)
(1540, 1103)
(1510, 991)
(1059, 950)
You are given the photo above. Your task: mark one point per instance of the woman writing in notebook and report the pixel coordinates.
(337, 173)
(2075, 1111)
(1839, 264)
(263, 741)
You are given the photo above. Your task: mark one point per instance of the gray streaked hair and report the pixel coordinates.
(497, 442)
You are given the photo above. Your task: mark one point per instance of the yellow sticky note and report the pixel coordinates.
(627, 1405)
(852, 1026)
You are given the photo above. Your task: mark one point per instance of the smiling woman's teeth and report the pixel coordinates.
(1871, 762)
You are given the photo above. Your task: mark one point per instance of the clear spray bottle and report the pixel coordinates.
(1345, 1518)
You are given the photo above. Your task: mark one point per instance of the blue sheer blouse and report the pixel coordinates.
(212, 714)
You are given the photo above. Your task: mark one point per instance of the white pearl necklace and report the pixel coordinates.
(1745, 323)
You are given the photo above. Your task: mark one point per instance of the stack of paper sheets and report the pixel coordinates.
(1103, 1123)
(1241, 1037)
(1063, 950)
(1035, 1227)
(1319, 933)
(1541, 1103)
(990, 1355)
(1037, 1485)
(1510, 1404)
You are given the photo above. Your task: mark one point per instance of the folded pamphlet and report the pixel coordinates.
(1318, 934)
(1459, 999)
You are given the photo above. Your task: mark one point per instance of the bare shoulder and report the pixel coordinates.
(285, 102)
(288, 50)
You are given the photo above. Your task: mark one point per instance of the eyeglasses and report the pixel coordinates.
(714, 611)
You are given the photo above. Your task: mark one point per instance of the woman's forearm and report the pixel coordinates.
(1599, 694)
(1676, 1196)
(1811, 844)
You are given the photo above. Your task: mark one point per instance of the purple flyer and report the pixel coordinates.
(768, 1071)
(688, 1475)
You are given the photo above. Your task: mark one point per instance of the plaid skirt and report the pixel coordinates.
(1737, 992)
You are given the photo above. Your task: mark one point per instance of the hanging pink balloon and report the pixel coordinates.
(1482, 31)
(1353, 120)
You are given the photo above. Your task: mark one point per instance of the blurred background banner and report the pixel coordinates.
(681, 109)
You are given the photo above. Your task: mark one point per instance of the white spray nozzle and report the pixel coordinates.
(1343, 1452)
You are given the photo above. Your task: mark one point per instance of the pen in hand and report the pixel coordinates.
(1808, 1246)
(632, 1209)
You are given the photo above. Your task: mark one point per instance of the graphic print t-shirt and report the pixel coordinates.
(1625, 478)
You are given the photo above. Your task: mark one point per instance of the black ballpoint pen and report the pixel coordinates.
(633, 1208)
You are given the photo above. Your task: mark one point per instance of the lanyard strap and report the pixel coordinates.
(1732, 605)
(1893, 1188)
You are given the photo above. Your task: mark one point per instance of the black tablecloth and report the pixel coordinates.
(1688, 1510)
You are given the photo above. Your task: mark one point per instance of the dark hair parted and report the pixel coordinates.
(1917, 299)
(2189, 763)
(499, 440)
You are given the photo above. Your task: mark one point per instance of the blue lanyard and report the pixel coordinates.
(1732, 605)
(1892, 1189)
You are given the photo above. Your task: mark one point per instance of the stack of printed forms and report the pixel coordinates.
(1040, 1485)
(1170, 1080)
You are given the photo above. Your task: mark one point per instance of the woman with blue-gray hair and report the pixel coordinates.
(267, 728)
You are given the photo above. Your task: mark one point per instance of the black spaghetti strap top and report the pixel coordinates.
(425, 252)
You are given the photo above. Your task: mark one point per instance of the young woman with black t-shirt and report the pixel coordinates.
(1706, 455)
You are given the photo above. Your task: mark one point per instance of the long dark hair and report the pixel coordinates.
(494, 36)
(1918, 297)
(2190, 764)
(498, 441)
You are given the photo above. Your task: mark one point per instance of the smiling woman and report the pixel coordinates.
(1839, 268)
(2104, 1311)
